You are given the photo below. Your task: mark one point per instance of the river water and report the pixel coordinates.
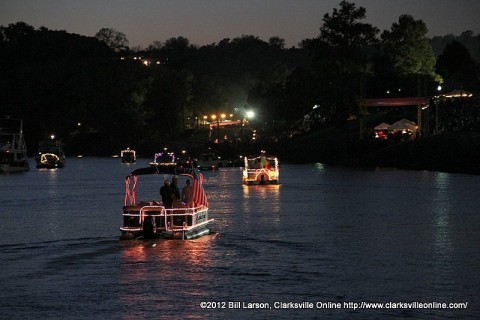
(325, 243)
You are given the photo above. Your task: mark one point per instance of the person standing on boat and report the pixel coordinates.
(187, 194)
(174, 187)
(264, 162)
(167, 194)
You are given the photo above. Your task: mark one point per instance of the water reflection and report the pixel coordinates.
(54, 204)
(442, 204)
(164, 274)
(262, 192)
(268, 195)
(264, 201)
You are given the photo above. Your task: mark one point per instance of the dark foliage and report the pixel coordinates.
(99, 97)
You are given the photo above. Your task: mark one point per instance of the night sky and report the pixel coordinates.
(209, 21)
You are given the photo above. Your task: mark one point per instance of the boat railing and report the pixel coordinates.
(174, 218)
(253, 174)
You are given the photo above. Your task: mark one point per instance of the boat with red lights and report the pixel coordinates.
(263, 169)
(152, 219)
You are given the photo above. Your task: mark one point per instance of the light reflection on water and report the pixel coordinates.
(165, 275)
(324, 234)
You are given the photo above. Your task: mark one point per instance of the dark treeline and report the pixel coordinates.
(100, 96)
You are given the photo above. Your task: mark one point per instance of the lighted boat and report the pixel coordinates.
(151, 219)
(50, 154)
(169, 162)
(13, 151)
(128, 156)
(208, 161)
(261, 169)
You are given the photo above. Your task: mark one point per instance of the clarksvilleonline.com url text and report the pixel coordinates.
(331, 305)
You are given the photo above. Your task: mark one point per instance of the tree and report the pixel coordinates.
(340, 60)
(466, 38)
(347, 36)
(277, 42)
(178, 52)
(458, 68)
(113, 38)
(16, 31)
(168, 97)
(408, 50)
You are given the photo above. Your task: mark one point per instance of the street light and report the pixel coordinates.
(217, 118)
(249, 114)
(439, 88)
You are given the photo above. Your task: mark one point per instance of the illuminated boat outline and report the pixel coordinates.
(261, 169)
(151, 220)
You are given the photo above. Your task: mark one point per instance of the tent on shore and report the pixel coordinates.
(403, 124)
(405, 128)
(382, 126)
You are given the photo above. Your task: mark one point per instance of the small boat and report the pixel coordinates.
(209, 161)
(50, 154)
(13, 151)
(153, 220)
(169, 162)
(128, 156)
(261, 169)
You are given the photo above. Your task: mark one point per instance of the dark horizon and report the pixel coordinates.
(207, 22)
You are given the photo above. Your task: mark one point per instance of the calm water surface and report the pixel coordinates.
(326, 236)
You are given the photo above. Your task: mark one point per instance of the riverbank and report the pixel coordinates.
(454, 152)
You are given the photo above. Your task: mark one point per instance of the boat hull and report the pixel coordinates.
(50, 165)
(260, 177)
(11, 168)
(167, 235)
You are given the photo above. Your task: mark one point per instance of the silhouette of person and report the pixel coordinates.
(187, 194)
(174, 187)
(167, 194)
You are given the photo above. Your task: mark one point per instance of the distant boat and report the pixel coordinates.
(261, 169)
(153, 219)
(209, 161)
(50, 154)
(13, 151)
(128, 156)
(169, 162)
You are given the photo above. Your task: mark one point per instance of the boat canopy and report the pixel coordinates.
(199, 196)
